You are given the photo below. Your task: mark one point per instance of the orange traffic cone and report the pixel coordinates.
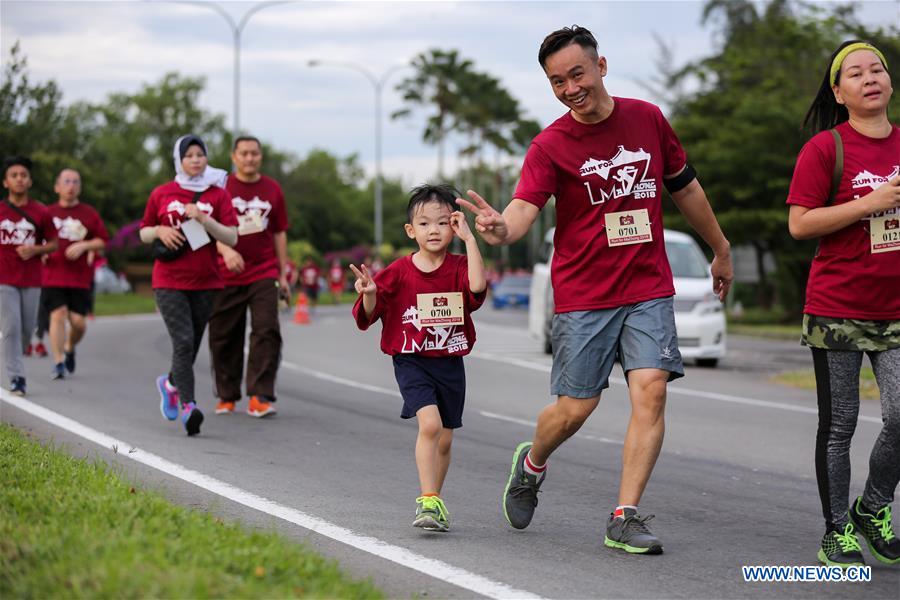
(301, 312)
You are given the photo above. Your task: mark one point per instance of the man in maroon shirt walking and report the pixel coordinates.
(254, 275)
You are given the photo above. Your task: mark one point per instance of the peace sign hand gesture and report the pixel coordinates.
(489, 223)
(364, 284)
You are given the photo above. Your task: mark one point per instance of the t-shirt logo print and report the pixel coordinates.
(16, 233)
(69, 228)
(621, 174)
(452, 339)
(254, 206)
(865, 179)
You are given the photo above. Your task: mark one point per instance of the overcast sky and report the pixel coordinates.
(93, 48)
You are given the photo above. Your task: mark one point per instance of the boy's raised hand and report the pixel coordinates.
(364, 284)
(460, 226)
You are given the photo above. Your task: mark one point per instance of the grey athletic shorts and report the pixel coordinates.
(586, 343)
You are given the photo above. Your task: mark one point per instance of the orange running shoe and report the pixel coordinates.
(259, 407)
(224, 408)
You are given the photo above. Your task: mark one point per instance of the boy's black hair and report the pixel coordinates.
(825, 112)
(12, 161)
(443, 193)
(245, 138)
(561, 38)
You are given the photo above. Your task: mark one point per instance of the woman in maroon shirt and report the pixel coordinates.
(183, 214)
(846, 192)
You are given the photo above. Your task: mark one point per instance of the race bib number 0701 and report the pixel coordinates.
(628, 227)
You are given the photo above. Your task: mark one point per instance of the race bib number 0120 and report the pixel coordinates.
(885, 233)
(628, 227)
(440, 309)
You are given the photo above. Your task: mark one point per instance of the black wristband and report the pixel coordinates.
(680, 181)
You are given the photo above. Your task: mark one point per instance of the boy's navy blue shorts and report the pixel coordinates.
(425, 381)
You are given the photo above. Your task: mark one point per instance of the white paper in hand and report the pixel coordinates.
(195, 233)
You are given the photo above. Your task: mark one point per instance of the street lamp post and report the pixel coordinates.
(378, 85)
(237, 28)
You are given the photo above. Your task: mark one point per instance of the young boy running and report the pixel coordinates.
(425, 302)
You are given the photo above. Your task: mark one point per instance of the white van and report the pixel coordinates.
(699, 316)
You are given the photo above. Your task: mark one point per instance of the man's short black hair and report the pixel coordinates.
(561, 38)
(246, 138)
(443, 193)
(12, 161)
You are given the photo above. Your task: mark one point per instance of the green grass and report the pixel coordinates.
(123, 304)
(75, 529)
(806, 380)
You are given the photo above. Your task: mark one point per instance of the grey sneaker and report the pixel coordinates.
(431, 514)
(520, 495)
(631, 534)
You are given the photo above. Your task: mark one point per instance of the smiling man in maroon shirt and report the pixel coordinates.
(605, 161)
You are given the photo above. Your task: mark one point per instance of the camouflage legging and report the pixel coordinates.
(837, 387)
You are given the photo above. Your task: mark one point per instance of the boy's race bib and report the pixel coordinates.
(628, 227)
(440, 309)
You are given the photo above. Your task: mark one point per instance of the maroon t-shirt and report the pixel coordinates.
(73, 224)
(15, 231)
(194, 269)
(265, 200)
(396, 306)
(613, 166)
(847, 280)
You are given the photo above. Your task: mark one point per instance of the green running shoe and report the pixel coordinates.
(431, 514)
(841, 549)
(520, 494)
(631, 534)
(877, 531)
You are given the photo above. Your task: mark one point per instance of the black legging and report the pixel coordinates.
(837, 388)
(185, 313)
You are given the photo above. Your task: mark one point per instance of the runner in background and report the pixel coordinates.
(254, 275)
(68, 274)
(26, 234)
(336, 280)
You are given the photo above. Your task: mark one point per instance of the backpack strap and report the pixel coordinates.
(838, 166)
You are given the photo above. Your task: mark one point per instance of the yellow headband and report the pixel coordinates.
(839, 59)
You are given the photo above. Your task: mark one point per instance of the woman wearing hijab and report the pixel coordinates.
(846, 192)
(185, 276)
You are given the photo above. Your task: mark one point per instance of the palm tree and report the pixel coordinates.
(436, 82)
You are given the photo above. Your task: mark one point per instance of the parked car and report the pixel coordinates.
(511, 290)
(107, 281)
(699, 316)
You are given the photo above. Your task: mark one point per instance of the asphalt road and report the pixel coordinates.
(735, 484)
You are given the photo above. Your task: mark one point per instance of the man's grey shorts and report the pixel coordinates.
(586, 343)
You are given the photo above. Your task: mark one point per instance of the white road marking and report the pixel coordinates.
(402, 556)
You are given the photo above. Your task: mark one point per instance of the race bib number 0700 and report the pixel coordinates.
(628, 227)
(440, 309)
